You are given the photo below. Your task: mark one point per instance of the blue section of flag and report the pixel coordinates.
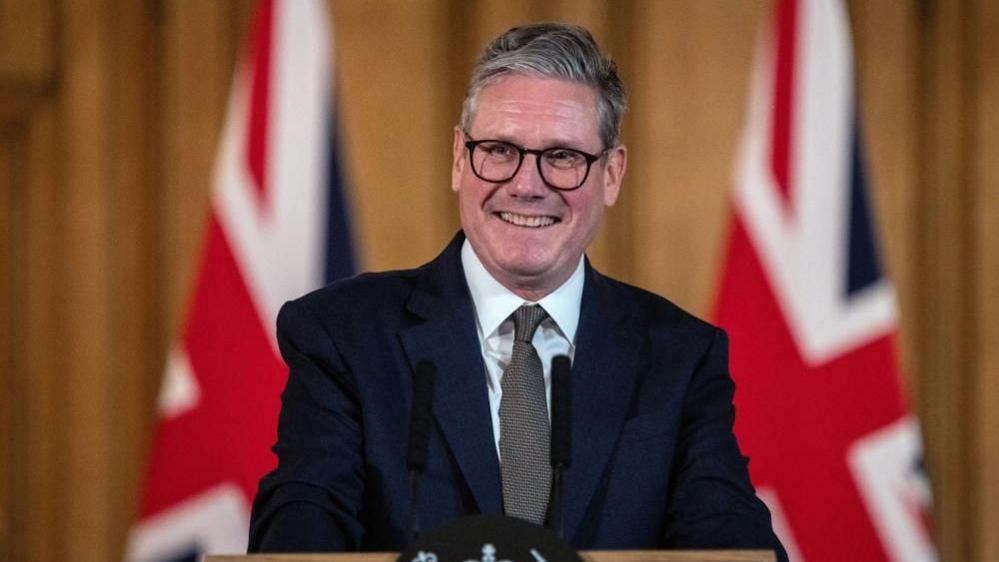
(864, 267)
(193, 554)
(340, 261)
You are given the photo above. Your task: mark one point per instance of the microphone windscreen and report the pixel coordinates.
(421, 416)
(561, 437)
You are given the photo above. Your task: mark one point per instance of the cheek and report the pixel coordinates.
(588, 209)
(476, 197)
(467, 211)
(470, 205)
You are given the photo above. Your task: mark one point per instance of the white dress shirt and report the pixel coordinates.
(494, 305)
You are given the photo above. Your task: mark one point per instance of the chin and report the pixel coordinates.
(527, 262)
(521, 267)
(537, 274)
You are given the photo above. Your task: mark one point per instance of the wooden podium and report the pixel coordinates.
(588, 556)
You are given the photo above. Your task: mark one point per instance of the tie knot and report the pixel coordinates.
(526, 320)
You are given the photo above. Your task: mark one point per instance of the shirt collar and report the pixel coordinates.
(494, 303)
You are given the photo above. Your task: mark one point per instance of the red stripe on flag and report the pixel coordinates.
(260, 56)
(798, 422)
(227, 436)
(783, 112)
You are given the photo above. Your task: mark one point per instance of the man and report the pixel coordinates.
(656, 465)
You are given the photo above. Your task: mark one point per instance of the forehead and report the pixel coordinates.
(534, 110)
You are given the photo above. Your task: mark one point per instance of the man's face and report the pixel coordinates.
(536, 113)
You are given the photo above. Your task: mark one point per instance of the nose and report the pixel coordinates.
(527, 183)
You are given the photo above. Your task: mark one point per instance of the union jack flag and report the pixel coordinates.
(813, 319)
(277, 229)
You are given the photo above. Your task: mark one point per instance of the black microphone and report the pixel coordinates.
(561, 437)
(420, 420)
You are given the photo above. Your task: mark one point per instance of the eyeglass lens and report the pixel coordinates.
(561, 168)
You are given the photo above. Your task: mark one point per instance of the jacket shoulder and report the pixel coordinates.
(654, 310)
(347, 302)
(362, 289)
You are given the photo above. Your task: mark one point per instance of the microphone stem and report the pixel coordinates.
(558, 511)
(414, 513)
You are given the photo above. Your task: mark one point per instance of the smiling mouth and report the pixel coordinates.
(526, 221)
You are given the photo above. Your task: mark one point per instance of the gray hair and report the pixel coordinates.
(552, 50)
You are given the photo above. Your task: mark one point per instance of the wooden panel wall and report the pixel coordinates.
(27, 76)
(943, 325)
(983, 141)
(110, 112)
(76, 88)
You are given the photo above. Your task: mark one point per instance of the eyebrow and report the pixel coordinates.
(550, 144)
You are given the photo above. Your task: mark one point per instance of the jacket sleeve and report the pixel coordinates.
(311, 501)
(712, 503)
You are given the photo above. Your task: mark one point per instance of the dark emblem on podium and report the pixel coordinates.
(489, 538)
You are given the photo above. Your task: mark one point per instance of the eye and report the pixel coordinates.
(563, 157)
(498, 150)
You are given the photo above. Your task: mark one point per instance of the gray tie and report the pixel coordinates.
(524, 431)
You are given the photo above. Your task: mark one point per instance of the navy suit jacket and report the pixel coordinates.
(655, 462)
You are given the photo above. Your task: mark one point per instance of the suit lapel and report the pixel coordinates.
(604, 375)
(448, 338)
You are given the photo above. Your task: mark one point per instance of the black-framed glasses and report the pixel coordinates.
(497, 161)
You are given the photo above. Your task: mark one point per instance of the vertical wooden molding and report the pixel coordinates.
(943, 337)
(7, 373)
(395, 132)
(85, 284)
(26, 45)
(449, 64)
(28, 436)
(136, 362)
(645, 127)
(34, 434)
(624, 257)
(37, 365)
(984, 47)
(689, 81)
(492, 17)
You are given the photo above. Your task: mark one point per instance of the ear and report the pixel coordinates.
(613, 173)
(458, 159)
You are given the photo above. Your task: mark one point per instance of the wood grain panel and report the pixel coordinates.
(138, 356)
(13, 106)
(943, 334)
(595, 15)
(689, 97)
(985, 268)
(85, 291)
(398, 134)
(493, 17)
(21, 467)
(7, 319)
(41, 437)
(27, 44)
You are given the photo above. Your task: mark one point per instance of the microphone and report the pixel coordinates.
(561, 438)
(420, 420)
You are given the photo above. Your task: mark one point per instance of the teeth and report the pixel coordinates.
(530, 222)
